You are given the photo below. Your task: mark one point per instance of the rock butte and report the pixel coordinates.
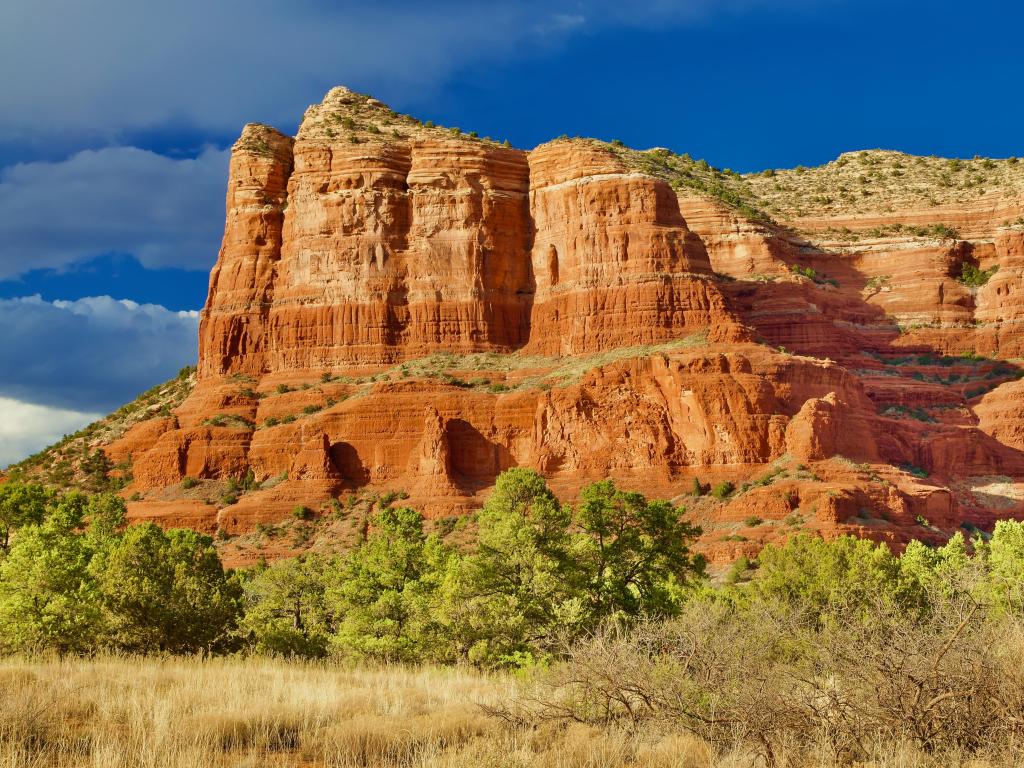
(398, 307)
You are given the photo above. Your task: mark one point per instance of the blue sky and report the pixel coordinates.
(116, 116)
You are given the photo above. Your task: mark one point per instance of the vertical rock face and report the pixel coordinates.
(613, 259)
(338, 253)
(233, 333)
(400, 307)
(398, 250)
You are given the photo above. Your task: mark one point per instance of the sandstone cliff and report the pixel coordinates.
(404, 308)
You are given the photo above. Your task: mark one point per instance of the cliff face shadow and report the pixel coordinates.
(354, 473)
(475, 460)
(923, 379)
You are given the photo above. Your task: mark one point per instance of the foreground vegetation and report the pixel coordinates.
(620, 700)
(584, 635)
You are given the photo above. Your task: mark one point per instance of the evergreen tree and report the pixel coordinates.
(632, 552)
(20, 504)
(286, 611)
(510, 597)
(166, 591)
(382, 593)
(841, 576)
(49, 599)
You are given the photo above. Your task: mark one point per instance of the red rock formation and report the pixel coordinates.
(396, 307)
(613, 259)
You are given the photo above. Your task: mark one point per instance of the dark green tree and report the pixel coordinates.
(166, 591)
(49, 598)
(382, 594)
(512, 595)
(285, 607)
(633, 554)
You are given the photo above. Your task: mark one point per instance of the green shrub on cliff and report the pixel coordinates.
(975, 277)
(723, 490)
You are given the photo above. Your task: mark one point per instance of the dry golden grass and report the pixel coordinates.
(188, 712)
(255, 713)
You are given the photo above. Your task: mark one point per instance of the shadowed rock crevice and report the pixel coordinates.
(475, 461)
(345, 458)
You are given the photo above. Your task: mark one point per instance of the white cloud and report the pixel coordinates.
(164, 211)
(93, 354)
(26, 428)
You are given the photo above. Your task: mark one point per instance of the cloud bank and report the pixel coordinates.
(101, 69)
(90, 355)
(27, 428)
(164, 211)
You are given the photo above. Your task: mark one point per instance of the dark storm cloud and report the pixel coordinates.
(92, 354)
(166, 212)
(77, 70)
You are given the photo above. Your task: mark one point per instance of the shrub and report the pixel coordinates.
(807, 272)
(915, 470)
(302, 513)
(189, 482)
(697, 489)
(761, 680)
(973, 276)
(248, 481)
(753, 521)
(723, 490)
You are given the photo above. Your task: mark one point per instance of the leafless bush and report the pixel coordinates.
(768, 678)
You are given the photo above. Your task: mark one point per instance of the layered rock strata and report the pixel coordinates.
(397, 307)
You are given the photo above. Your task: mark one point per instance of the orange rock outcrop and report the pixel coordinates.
(400, 308)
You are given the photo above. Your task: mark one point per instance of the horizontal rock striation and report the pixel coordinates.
(402, 307)
(339, 254)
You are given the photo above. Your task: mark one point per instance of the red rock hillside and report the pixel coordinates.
(400, 308)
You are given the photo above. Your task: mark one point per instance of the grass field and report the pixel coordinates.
(177, 713)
